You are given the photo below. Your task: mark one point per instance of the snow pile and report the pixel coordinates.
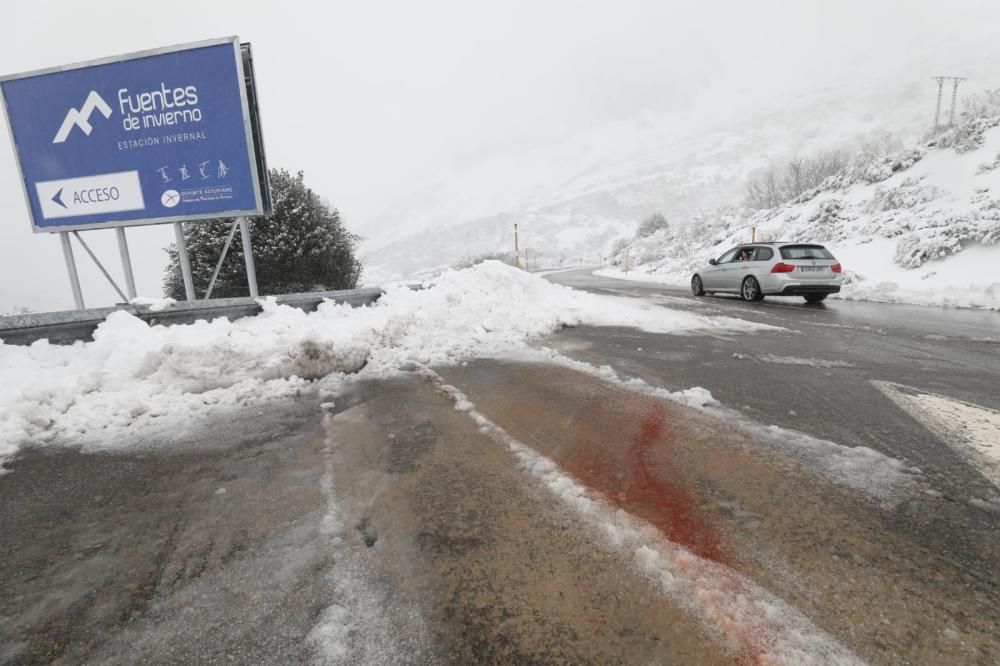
(135, 379)
(920, 226)
(154, 304)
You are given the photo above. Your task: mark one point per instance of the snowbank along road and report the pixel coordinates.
(498, 469)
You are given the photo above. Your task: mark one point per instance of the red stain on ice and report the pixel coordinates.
(629, 460)
(643, 481)
(673, 507)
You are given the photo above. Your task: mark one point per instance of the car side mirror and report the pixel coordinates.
(712, 262)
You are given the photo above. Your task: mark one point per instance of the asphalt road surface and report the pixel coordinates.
(838, 505)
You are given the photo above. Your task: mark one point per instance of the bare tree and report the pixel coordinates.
(796, 177)
(770, 187)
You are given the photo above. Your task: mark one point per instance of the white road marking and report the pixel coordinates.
(971, 430)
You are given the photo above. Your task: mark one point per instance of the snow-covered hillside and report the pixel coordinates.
(576, 194)
(575, 198)
(919, 226)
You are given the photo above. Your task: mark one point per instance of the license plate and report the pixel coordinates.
(809, 269)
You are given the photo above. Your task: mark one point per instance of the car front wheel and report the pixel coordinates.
(751, 290)
(696, 286)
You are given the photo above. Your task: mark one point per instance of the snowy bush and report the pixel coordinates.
(618, 251)
(988, 166)
(981, 104)
(882, 168)
(650, 225)
(937, 236)
(825, 224)
(967, 135)
(916, 249)
(907, 194)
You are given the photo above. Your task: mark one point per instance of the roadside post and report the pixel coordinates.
(165, 136)
(517, 251)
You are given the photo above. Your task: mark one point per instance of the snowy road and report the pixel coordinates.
(535, 508)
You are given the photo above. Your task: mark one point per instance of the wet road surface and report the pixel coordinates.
(535, 513)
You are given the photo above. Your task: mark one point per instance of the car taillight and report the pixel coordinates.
(837, 268)
(782, 267)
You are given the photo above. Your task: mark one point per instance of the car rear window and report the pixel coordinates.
(805, 252)
(763, 254)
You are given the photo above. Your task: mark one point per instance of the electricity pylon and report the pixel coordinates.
(955, 80)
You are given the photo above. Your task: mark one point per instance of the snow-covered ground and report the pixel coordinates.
(134, 380)
(921, 226)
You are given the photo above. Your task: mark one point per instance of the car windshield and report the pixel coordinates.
(728, 256)
(805, 252)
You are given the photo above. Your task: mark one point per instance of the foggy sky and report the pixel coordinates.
(373, 99)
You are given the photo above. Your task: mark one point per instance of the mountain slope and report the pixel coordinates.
(573, 196)
(920, 226)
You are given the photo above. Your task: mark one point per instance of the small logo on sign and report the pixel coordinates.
(170, 198)
(81, 117)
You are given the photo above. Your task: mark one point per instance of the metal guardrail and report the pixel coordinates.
(72, 325)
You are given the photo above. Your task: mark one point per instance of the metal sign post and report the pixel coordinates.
(182, 258)
(248, 255)
(222, 259)
(74, 277)
(126, 262)
(163, 136)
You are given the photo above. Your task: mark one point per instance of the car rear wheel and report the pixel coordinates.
(814, 298)
(697, 288)
(750, 291)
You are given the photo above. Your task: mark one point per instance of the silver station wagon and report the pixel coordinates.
(756, 270)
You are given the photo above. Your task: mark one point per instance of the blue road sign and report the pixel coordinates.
(160, 136)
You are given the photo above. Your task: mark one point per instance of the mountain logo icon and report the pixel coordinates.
(81, 117)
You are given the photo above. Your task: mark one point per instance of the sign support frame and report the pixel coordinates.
(248, 255)
(74, 277)
(126, 262)
(100, 266)
(182, 256)
(222, 258)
